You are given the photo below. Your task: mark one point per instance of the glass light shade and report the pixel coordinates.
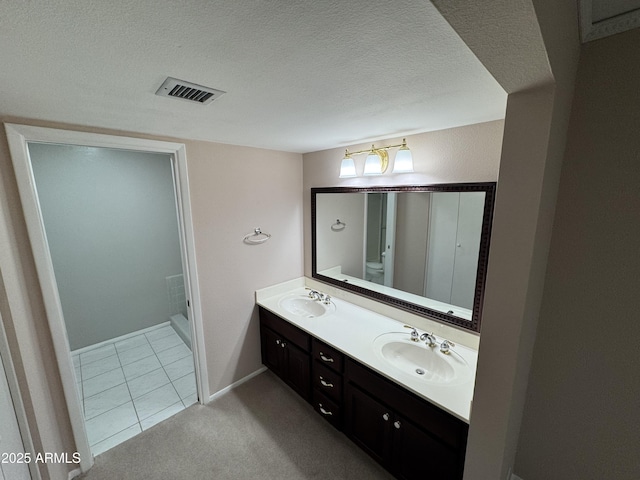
(373, 164)
(403, 162)
(347, 168)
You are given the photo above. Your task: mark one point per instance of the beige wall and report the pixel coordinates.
(233, 190)
(581, 416)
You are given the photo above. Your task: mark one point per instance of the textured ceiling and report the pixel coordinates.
(300, 75)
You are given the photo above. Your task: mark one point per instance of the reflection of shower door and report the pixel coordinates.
(388, 253)
(380, 237)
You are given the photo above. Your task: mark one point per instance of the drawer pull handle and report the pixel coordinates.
(323, 411)
(396, 424)
(385, 416)
(325, 384)
(325, 359)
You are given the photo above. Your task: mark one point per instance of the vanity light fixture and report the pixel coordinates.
(347, 167)
(377, 161)
(404, 160)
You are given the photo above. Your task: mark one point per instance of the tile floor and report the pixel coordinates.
(130, 385)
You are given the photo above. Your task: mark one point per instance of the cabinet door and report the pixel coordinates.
(298, 370)
(368, 423)
(418, 456)
(272, 351)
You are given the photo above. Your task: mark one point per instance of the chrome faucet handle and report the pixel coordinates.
(327, 300)
(429, 338)
(313, 293)
(415, 336)
(446, 345)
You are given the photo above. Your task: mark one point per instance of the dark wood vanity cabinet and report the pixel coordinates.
(285, 350)
(409, 436)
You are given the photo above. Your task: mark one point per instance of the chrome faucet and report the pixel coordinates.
(415, 336)
(315, 294)
(446, 345)
(429, 339)
(321, 297)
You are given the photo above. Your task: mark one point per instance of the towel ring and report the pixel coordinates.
(248, 238)
(338, 226)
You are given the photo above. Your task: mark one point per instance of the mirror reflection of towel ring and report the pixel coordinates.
(338, 226)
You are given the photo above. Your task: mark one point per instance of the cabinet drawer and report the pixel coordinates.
(328, 356)
(327, 381)
(329, 410)
(287, 330)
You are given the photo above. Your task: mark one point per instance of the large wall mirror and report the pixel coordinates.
(420, 248)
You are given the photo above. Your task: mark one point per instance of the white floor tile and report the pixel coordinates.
(180, 368)
(190, 400)
(99, 367)
(185, 386)
(97, 354)
(103, 382)
(147, 382)
(155, 401)
(174, 354)
(161, 415)
(116, 439)
(164, 343)
(109, 423)
(160, 332)
(134, 354)
(141, 367)
(131, 342)
(105, 401)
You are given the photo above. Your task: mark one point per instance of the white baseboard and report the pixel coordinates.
(120, 338)
(236, 384)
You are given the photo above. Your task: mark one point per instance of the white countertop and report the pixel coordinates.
(352, 330)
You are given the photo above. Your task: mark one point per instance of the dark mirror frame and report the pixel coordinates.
(483, 255)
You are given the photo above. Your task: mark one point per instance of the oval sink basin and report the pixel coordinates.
(421, 362)
(303, 306)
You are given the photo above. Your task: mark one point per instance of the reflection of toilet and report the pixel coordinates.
(375, 272)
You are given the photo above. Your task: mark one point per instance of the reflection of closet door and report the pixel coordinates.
(10, 439)
(443, 227)
(465, 267)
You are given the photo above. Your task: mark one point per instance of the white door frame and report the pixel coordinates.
(8, 370)
(18, 137)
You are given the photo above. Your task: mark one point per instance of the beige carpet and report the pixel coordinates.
(260, 430)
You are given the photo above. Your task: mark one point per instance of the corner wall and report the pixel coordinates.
(581, 416)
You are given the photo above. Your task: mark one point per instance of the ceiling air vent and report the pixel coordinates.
(172, 87)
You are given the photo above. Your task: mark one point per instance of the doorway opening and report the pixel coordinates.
(110, 226)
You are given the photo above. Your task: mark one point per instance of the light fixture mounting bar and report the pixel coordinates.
(374, 148)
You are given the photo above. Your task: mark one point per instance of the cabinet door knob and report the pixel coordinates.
(283, 344)
(325, 384)
(385, 416)
(278, 342)
(323, 411)
(325, 359)
(396, 424)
